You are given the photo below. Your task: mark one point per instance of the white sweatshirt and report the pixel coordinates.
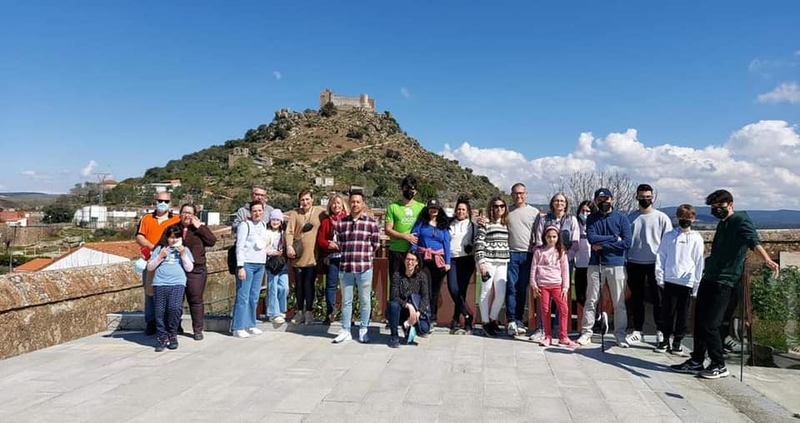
(462, 233)
(680, 259)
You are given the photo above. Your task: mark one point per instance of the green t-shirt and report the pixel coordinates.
(402, 217)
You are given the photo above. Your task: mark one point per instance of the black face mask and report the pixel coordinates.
(645, 203)
(719, 212)
(408, 194)
(684, 223)
(604, 207)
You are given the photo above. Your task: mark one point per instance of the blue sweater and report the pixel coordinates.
(433, 238)
(613, 232)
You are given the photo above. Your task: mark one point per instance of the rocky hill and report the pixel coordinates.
(354, 147)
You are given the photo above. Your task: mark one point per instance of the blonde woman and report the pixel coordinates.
(329, 252)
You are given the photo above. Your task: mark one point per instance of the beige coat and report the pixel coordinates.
(294, 226)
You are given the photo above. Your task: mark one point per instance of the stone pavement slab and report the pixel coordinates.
(298, 375)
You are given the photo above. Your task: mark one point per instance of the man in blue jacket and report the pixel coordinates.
(609, 234)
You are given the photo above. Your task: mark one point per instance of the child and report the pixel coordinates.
(679, 269)
(550, 279)
(277, 275)
(170, 261)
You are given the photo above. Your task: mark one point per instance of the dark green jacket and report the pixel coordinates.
(731, 241)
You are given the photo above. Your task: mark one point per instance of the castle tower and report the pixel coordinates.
(325, 97)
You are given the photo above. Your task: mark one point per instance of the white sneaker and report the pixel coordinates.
(279, 319)
(298, 318)
(363, 336)
(255, 331)
(537, 336)
(732, 345)
(309, 318)
(659, 337)
(343, 336)
(511, 329)
(521, 329)
(240, 334)
(634, 338)
(585, 339)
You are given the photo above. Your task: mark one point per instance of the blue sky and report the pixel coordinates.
(131, 85)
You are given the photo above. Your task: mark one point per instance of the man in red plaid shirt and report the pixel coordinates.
(358, 237)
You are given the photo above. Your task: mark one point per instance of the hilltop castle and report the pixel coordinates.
(343, 102)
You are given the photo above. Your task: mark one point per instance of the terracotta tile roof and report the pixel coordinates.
(34, 265)
(127, 249)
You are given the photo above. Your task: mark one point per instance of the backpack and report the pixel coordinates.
(232, 252)
(566, 232)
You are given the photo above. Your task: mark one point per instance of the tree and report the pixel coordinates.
(581, 186)
(328, 110)
(59, 212)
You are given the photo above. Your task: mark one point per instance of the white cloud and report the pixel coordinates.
(755, 163)
(405, 92)
(28, 173)
(86, 171)
(36, 176)
(277, 75)
(787, 92)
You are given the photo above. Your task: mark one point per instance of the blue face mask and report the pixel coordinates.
(582, 217)
(162, 207)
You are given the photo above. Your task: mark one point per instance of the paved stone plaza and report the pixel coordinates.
(300, 376)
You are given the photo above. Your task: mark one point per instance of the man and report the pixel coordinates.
(400, 218)
(196, 237)
(151, 227)
(257, 194)
(723, 270)
(609, 234)
(648, 226)
(521, 218)
(358, 238)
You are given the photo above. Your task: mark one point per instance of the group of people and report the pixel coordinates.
(513, 248)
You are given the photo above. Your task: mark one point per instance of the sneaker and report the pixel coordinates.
(309, 320)
(511, 328)
(584, 339)
(659, 337)
(241, 333)
(468, 323)
(545, 342)
(298, 318)
(732, 345)
(161, 345)
(489, 329)
(343, 336)
(394, 342)
(603, 319)
(279, 319)
(662, 347)
(634, 338)
(677, 349)
(255, 331)
(568, 343)
(688, 366)
(538, 335)
(623, 343)
(363, 335)
(198, 336)
(173, 343)
(453, 327)
(521, 329)
(714, 371)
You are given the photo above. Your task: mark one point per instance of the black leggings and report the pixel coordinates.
(435, 276)
(304, 287)
(461, 271)
(581, 282)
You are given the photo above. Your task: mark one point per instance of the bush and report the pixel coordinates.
(357, 133)
(328, 110)
(776, 305)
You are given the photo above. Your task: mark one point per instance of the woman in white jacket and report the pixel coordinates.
(679, 269)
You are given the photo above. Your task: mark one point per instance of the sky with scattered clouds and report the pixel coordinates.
(689, 97)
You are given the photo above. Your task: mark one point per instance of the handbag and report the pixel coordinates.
(275, 264)
(298, 247)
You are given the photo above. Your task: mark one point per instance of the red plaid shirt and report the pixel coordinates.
(358, 241)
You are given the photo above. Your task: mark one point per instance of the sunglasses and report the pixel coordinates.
(162, 201)
(498, 206)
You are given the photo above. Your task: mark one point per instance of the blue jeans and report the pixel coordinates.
(149, 304)
(247, 291)
(364, 282)
(277, 290)
(519, 275)
(331, 284)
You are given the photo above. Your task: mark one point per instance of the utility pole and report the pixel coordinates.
(101, 177)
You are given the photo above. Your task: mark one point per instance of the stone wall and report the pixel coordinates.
(29, 235)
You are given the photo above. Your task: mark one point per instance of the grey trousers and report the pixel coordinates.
(615, 277)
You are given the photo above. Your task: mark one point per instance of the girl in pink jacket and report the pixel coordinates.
(550, 280)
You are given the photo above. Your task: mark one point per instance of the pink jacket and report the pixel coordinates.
(547, 269)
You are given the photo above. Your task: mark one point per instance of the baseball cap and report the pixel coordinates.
(433, 203)
(603, 192)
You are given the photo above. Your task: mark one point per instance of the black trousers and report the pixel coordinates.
(727, 320)
(435, 276)
(642, 277)
(304, 278)
(195, 287)
(461, 271)
(396, 262)
(675, 311)
(581, 281)
(712, 300)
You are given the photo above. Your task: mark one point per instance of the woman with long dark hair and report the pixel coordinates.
(462, 263)
(585, 208)
(301, 232)
(493, 254)
(408, 299)
(433, 243)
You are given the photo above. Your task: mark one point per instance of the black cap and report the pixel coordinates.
(603, 192)
(433, 203)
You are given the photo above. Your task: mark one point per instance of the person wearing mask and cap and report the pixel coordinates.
(151, 228)
(432, 231)
(609, 234)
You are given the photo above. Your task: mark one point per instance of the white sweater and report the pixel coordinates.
(251, 243)
(462, 233)
(680, 259)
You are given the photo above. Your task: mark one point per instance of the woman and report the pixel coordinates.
(408, 299)
(277, 271)
(301, 230)
(492, 254)
(196, 237)
(251, 256)
(170, 262)
(330, 253)
(432, 230)
(462, 263)
(585, 208)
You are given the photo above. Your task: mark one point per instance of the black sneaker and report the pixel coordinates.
(151, 329)
(715, 371)
(453, 327)
(161, 345)
(198, 336)
(489, 329)
(394, 342)
(688, 366)
(468, 323)
(173, 343)
(661, 347)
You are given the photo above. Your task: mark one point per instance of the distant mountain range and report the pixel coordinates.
(763, 219)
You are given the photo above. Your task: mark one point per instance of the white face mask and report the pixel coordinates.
(178, 243)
